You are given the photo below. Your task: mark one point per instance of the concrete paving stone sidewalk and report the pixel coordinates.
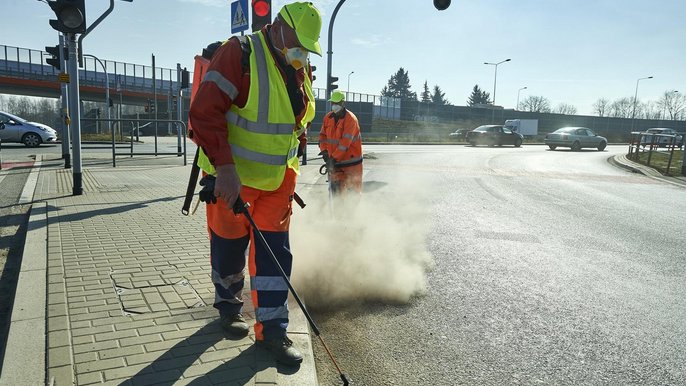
(115, 288)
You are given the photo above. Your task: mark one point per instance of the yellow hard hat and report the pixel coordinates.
(306, 21)
(337, 97)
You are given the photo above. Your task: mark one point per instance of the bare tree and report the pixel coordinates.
(537, 104)
(622, 108)
(601, 107)
(649, 110)
(565, 108)
(673, 103)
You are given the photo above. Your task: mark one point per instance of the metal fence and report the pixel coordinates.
(654, 149)
(31, 64)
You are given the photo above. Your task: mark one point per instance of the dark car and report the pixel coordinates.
(494, 135)
(575, 138)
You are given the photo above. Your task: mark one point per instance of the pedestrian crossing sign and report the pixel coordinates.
(239, 16)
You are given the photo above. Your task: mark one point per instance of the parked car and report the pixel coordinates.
(575, 138)
(493, 135)
(647, 138)
(19, 130)
(459, 135)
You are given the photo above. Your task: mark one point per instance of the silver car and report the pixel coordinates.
(19, 130)
(663, 138)
(575, 138)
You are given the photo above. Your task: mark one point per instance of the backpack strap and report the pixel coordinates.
(207, 53)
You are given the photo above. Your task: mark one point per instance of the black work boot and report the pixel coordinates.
(283, 350)
(234, 324)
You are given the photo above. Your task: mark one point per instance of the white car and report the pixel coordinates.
(19, 130)
(662, 139)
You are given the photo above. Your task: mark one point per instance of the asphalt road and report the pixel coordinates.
(550, 267)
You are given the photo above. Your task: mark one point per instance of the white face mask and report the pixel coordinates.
(296, 56)
(336, 108)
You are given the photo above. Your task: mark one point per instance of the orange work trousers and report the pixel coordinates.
(229, 236)
(347, 179)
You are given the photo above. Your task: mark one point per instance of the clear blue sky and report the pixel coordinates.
(567, 51)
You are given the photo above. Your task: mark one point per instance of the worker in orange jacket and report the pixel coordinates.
(341, 147)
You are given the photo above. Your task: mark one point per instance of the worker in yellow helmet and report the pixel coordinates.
(249, 117)
(340, 143)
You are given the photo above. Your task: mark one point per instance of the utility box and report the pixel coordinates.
(525, 127)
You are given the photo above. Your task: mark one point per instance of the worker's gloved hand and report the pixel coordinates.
(207, 192)
(325, 155)
(330, 163)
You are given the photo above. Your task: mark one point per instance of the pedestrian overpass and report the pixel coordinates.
(24, 71)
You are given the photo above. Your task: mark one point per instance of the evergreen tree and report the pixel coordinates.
(478, 96)
(438, 97)
(426, 94)
(399, 86)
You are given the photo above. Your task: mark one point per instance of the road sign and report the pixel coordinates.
(239, 16)
(63, 77)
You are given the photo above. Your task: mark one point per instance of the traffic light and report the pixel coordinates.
(57, 56)
(150, 107)
(331, 86)
(71, 16)
(261, 14)
(441, 4)
(185, 78)
(312, 70)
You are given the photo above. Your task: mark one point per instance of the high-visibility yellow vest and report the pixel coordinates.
(263, 134)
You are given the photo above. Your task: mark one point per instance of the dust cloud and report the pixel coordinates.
(371, 250)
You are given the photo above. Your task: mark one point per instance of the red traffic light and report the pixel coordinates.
(261, 8)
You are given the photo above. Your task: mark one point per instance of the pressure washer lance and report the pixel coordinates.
(327, 169)
(242, 207)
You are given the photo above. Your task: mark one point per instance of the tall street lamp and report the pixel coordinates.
(495, 76)
(633, 113)
(520, 90)
(348, 89)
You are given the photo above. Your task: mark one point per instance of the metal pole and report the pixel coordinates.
(64, 88)
(154, 96)
(348, 88)
(107, 101)
(179, 105)
(520, 90)
(633, 112)
(329, 53)
(74, 112)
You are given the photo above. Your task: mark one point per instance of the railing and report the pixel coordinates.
(31, 64)
(135, 130)
(643, 146)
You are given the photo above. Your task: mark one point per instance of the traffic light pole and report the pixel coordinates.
(64, 88)
(179, 105)
(74, 111)
(329, 53)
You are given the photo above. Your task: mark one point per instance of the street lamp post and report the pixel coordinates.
(633, 112)
(348, 89)
(520, 90)
(495, 76)
(495, 81)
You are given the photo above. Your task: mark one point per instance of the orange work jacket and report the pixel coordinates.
(341, 139)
